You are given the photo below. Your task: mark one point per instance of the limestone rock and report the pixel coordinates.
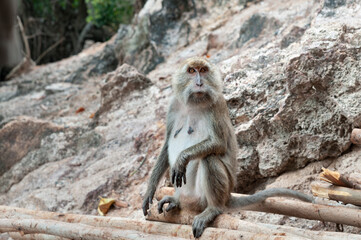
(119, 84)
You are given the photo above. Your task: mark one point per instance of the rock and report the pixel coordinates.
(294, 35)
(254, 26)
(19, 137)
(28, 143)
(283, 130)
(334, 3)
(119, 84)
(105, 62)
(7, 92)
(58, 87)
(153, 38)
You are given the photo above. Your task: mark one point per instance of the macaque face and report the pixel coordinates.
(197, 83)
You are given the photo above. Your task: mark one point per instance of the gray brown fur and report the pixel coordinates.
(202, 164)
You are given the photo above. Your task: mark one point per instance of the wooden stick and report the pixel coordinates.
(25, 38)
(342, 215)
(49, 49)
(184, 216)
(346, 195)
(159, 228)
(71, 230)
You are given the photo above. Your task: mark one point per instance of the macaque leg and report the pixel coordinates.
(217, 191)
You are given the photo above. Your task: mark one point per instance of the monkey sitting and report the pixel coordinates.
(200, 148)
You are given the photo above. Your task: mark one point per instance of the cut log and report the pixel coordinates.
(71, 230)
(341, 215)
(346, 195)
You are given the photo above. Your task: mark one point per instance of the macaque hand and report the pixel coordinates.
(148, 200)
(179, 174)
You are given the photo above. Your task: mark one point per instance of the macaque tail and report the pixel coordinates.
(237, 202)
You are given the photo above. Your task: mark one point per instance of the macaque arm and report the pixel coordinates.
(160, 167)
(214, 144)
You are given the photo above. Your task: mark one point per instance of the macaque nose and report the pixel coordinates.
(198, 80)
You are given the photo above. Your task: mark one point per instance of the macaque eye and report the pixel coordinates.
(203, 69)
(191, 70)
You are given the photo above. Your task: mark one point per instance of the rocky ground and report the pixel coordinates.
(92, 125)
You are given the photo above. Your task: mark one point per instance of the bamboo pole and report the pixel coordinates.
(71, 230)
(346, 195)
(149, 227)
(184, 216)
(341, 215)
(37, 236)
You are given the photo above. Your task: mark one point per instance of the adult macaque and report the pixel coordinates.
(200, 149)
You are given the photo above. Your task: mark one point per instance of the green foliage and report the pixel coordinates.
(100, 12)
(46, 9)
(110, 12)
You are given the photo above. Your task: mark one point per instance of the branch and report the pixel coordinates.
(341, 215)
(49, 49)
(82, 35)
(25, 39)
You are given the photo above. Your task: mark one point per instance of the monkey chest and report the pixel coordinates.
(187, 131)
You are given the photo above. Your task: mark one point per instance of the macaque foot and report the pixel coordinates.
(202, 220)
(172, 203)
(198, 226)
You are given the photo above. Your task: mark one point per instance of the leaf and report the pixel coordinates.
(81, 109)
(104, 205)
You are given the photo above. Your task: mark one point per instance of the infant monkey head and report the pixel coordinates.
(197, 83)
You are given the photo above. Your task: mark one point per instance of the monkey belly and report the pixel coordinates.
(188, 130)
(192, 195)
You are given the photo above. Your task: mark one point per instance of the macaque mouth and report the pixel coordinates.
(199, 97)
(199, 94)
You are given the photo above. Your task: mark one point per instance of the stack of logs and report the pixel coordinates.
(30, 224)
